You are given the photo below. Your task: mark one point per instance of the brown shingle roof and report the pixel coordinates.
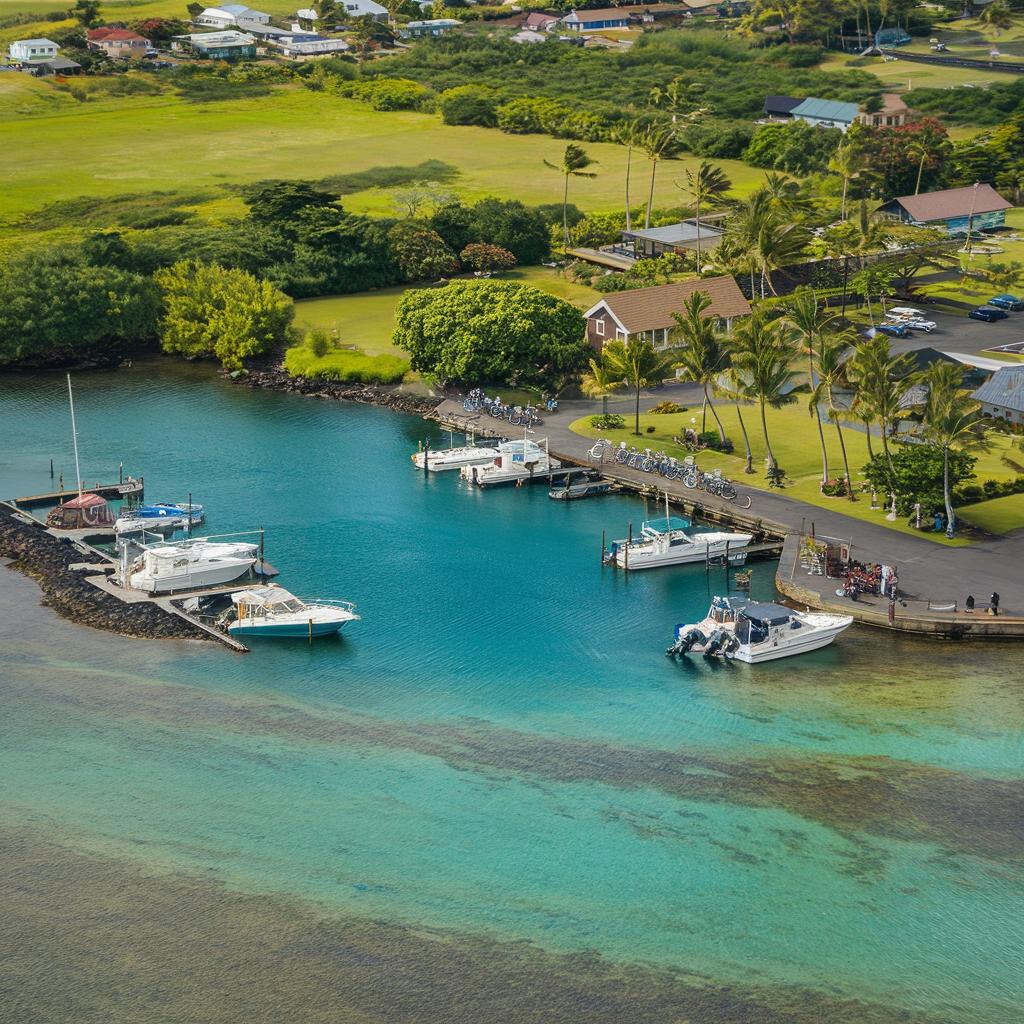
(650, 309)
(604, 14)
(953, 202)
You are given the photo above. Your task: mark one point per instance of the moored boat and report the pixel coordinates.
(588, 485)
(272, 611)
(667, 541)
(754, 631)
(455, 458)
(166, 510)
(516, 462)
(190, 565)
(85, 512)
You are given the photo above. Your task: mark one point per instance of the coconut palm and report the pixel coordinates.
(763, 352)
(628, 135)
(951, 419)
(704, 358)
(829, 367)
(633, 363)
(707, 184)
(847, 162)
(811, 319)
(766, 237)
(733, 385)
(574, 162)
(659, 143)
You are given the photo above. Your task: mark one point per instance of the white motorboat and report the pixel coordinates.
(272, 611)
(751, 631)
(668, 542)
(516, 462)
(129, 526)
(189, 565)
(455, 458)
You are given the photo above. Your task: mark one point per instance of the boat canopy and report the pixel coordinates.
(765, 614)
(270, 596)
(665, 525)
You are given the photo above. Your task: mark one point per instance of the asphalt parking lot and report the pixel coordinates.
(961, 334)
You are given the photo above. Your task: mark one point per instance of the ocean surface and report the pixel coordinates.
(498, 753)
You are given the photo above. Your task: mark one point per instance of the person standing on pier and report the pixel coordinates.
(994, 603)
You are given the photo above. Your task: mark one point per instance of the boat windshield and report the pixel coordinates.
(665, 525)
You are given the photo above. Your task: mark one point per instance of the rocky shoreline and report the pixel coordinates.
(46, 559)
(276, 379)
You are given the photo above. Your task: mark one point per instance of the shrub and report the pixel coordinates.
(386, 93)
(487, 258)
(834, 489)
(919, 474)
(665, 408)
(347, 365)
(318, 342)
(468, 104)
(530, 116)
(796, 148)
(608, 421)
(710, 439)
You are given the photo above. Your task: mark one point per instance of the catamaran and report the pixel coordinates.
(189, 565)
(752, 631)
(516, 462)
(272, 611)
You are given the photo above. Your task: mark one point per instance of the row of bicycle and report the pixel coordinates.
(647, 461)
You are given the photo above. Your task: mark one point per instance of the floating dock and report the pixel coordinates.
(125, 489)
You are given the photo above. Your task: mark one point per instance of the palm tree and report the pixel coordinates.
(763, 352)
(847, 162)
(951, 418)
(765, 236)
(996, 14)
(628, 136)
(811, 319)
(708, 184)
(574, 160)
(733, 385)
(704, 358)
(658, 142)
(829, 365)
(633, 363)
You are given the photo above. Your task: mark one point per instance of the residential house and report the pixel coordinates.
(538, 21)
(674, 238)
(57, 66)
(595, 21)
(218, 45)
(33, 50)
(780, 107)
(366, 9)
(276, 36)
(827, 113)
(312, 47)
(526, 36)
(229, 15)
(894, 113)
(117, 43)
(434, 27)
(647, 312)
(952, 210)
(1002, 395)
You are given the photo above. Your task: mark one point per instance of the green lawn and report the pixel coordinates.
(797, 448)
(138, 144)
(1000, 515)
(901, 75)
(368, 318)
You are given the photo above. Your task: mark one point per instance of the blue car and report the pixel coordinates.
(1007, 302)
(893, 330)
(988, 313)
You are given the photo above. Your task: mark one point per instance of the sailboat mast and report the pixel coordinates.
(74, 437)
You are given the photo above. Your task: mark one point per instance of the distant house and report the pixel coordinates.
(538, 21)
(312, 47)
(527, 36)
(434, 27)
(780, 106)
(1003, 395)
(951, 210)
(647, 312)
(366, 9)
(58, 66)
(117, 42)
(218, 45)
(894, 113)
(595, 21)
(229, 16)
(273, 35)
(32, 50)
(827, 113)
(653, 242)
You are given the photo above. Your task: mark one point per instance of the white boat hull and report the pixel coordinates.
(656, 553)
(287, 626)
(211, 575)
(768, 652)
(454, 458)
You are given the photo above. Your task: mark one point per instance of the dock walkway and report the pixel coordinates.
(930, 573)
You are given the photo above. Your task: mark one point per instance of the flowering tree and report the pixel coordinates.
(487, 258)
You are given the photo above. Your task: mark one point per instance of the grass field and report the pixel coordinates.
(900, 76)
(56, 147)
(368, 318)
(1000, 515)
(797, 448)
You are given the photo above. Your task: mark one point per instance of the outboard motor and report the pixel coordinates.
(731, 646)
(717, 643)
(685, 640)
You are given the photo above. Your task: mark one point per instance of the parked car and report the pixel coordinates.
(906, 311)
(894, 330)
(916, 323)
(988, 313)
(1007, 302)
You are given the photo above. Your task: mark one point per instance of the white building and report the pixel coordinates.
(313, 47)
(229, 15)
(1002, 395)
(366, 9)
(32, 50)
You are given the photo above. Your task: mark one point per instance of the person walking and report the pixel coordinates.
(970, 604)
(994, 603)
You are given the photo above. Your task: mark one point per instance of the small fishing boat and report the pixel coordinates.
(455, 458)
(272, 611)
(588, 485)
(667, 541)
(166, 510)
(517, 462)
(753, 632)
(189, 565)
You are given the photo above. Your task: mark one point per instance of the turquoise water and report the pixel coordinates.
(499, 747)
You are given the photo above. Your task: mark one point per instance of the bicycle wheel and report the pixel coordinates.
(690, 476)
(621, 456)
(728, 491)
(647, 465)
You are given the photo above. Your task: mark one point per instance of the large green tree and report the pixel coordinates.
(477, 331)
(211, 311)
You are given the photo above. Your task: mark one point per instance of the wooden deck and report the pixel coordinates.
(604, 259)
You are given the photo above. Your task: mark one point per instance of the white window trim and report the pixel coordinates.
(599, 327)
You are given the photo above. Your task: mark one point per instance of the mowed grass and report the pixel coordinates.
(367, 319)
(1000, 515)
(797, 447)
(57, 148)
(900, 75)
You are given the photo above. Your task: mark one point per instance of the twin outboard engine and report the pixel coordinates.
(685, 640)
(720, 644)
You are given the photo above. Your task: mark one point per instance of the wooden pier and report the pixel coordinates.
(126, 488)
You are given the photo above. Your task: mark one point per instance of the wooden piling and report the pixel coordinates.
(602, 548)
